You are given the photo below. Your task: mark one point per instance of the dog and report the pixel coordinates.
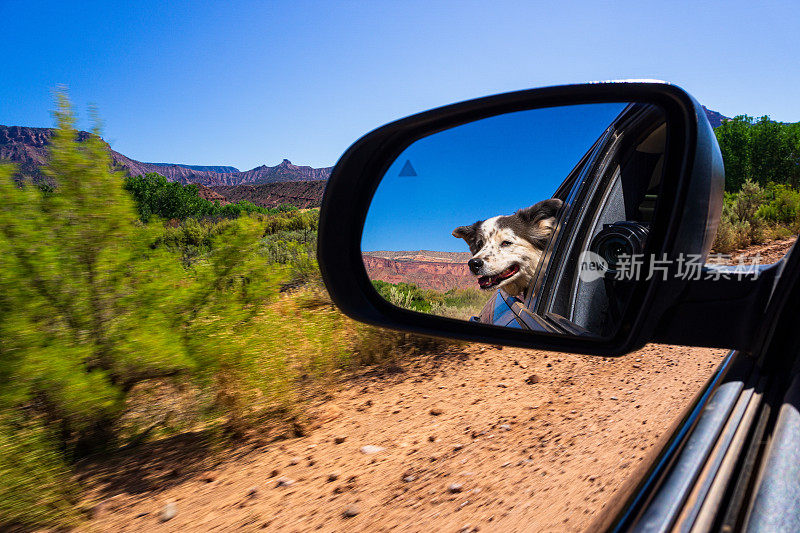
(507, 249)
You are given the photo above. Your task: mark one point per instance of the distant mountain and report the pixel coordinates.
(300, 194)
(714, 117)
(28, 148)
(436, 274)
(202, 168)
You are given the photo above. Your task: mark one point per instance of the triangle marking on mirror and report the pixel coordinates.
(407, 170)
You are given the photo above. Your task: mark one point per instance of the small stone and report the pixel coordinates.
(409, 478)
(333, 476)
(614, 398)
(455, 488)
(432, 438)
(458, 447)
(436, 411)
(351, 511)
(340, 439)
(169, 512)
(284, 482)
(533, 378)
(505, 427)
(294, 460)
(274, 472)
(252, 492)
(370, 449)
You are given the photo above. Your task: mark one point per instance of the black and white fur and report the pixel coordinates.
(507, 249)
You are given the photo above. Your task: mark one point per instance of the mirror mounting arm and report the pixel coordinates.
(722, 308)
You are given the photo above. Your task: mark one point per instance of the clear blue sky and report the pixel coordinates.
(247, 83)
(479, 170)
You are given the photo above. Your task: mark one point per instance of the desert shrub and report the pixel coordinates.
(455, 303)
(99, 310)
(36, 490)
(93, 302)
(84, 298)
(782, 205)
(741, 224)
(156, 197)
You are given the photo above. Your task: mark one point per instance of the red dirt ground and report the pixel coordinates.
(470, 440)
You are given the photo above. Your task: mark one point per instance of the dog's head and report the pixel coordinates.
(507, 249)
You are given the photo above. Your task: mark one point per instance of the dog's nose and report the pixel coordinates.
(475, 264)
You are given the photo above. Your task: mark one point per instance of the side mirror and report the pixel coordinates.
(571, 218)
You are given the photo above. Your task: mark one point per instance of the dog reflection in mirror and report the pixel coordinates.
(507, 249)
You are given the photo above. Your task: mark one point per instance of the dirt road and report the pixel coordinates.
(480, 438)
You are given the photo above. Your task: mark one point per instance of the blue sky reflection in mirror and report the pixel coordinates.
(479, 170)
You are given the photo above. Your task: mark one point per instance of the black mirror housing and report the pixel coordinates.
(685, 222)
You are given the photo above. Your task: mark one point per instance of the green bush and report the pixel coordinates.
(455, 303)
(36, 490)
(782, 206)
(98, 308)
(93, 302)
(741, 224)
(157, 197)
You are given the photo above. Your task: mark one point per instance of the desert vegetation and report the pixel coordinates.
(455, 303)
(762, 181)
(155, 196)
(117, 291)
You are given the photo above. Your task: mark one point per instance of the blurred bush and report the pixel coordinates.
(106, 309)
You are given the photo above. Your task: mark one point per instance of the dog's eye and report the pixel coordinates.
(505, 243)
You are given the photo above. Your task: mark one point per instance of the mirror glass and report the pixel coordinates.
(524, 220)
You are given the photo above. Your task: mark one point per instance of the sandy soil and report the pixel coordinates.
(762, 254)
(481, 438)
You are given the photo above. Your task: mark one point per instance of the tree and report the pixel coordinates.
(762, 151)
(734, 142)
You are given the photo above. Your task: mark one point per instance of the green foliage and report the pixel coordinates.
(782, 205)
(85, 306)
(155, 196)
(455, 303)
(97, 308)
(741, 224)
(760, 150)
(93, 302)
(83, 296)
(36, 490)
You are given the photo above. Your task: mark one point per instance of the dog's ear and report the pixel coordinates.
(468, 233)
(541, 219)
(541, 210)
(464, 232)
